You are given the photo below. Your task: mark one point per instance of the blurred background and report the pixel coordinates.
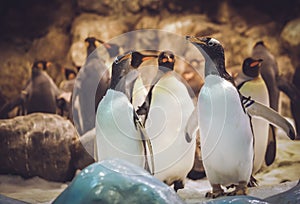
(55, 31)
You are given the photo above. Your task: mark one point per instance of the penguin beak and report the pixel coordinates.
(48, 64)
(195, 40)
(122, 57)
(106, 45)
(148, 57)
(167, 59)
(256, 63)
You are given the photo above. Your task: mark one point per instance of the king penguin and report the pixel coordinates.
(168, 107)
(91, 85)
(119, 132)
(225, 123)
(269, 72)
(250, 83)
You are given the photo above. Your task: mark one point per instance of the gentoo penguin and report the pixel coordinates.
(119, 133)
(250, 83)
(91, 84)
(225, 123)
(168, 108)
(269, 72)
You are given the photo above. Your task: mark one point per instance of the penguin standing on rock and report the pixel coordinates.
(168, 107)
(119, 132)
(225, 123)
(269, 72)
(250, 83)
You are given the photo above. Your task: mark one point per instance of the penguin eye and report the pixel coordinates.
(210, 43)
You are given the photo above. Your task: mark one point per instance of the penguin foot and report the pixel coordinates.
(252, 182)
(240, 189)
(178, 185)
(217, 191)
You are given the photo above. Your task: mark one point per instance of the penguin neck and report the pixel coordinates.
(90, 49)
(217, 67)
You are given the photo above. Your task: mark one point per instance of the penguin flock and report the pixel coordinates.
(157, 128)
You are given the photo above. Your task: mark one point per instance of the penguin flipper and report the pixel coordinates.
(191, 126)
(256, 109)
(146, 143)
(271, 147)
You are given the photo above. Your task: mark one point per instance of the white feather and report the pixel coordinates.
(225, 133)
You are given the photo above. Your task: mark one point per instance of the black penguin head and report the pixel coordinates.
(166, 61)
(123, 64)
(41, 65)
(70, 74)
(92, 43)
(213, 52)
(251, 67)
(261, 43)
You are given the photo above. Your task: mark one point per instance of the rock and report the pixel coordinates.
(101, 7)
(15, 67)
(289, 196)
(86, 25)
(44, 145)
(116, 181)
(291, 33)
(290, 36)
(51, 47)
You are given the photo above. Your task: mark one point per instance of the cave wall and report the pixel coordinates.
(55, 30)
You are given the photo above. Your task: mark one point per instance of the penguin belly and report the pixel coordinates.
(258, 91)
(226, 137)
(139, 93)
(169, 112)
(116, 136)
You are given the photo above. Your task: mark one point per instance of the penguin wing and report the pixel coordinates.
(256, 109)
(146, 142)
(192, 126)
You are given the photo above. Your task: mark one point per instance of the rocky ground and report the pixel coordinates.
(279, 177)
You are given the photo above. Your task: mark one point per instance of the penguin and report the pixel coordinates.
(168, 107)
(250, 83)
(66, 86)
(224, 118)
(41, 91)
(91, 85)
(39, 94)
(269, 72)
(119, 132)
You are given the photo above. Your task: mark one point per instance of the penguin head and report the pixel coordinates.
(41, 65)
(138, 58)
(251, 67)
(259, 43)
(213, 52)
(70, 74)
(123, 64)
(92, 43)
(166, 60)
